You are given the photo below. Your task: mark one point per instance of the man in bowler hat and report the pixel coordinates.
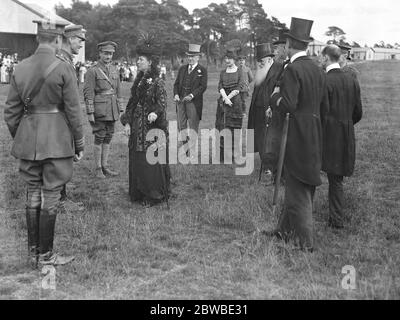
(301, 94)
(103, 105)
(189, 87)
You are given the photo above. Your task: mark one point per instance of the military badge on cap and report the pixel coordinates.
(50, 27)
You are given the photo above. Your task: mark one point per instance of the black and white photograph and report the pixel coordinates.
(224, 151)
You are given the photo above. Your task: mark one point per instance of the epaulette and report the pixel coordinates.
(94, 64)
(62, 58)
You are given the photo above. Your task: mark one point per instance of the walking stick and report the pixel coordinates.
(164, 181)
(280, 162)
(263, 146)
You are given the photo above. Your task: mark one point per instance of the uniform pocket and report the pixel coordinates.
(100, 107)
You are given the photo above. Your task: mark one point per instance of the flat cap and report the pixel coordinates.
(74, 30)
(107, 46)
(50, 26)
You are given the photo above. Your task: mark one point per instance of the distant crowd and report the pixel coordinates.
(7, 66)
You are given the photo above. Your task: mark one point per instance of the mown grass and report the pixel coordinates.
(207, 246)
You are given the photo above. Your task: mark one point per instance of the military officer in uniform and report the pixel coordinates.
(103, 105)
(344, 61)
(44, 118)
(73, 37)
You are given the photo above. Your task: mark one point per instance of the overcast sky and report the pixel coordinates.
(364, 21)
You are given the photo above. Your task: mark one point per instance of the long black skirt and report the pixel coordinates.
(147, 182)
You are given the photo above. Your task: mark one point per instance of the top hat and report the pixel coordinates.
(73, 30)
(264, 50)
(300, 30)
(108, 46)
(50, 27)
(281, 36)
(194, 50)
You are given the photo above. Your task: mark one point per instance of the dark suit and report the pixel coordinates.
(301, 94)
(338, 157)
(197, 85)
(260, 101)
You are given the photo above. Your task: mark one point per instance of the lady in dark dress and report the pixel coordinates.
(146, 110)
(230, 106)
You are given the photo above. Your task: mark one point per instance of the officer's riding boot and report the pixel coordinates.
(46, 239)
(32, 223)
(104, 161)
(97, 159)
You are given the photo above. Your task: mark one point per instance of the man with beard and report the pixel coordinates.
(264, 82)
(73, 37)
(345, 110)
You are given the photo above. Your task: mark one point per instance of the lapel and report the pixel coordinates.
(193, 73)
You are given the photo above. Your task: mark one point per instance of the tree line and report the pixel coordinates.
(217, 26)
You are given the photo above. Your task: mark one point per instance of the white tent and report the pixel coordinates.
(18, 32)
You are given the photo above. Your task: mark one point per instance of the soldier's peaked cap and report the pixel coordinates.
(107, 46)
(50, 26)
(74, 30)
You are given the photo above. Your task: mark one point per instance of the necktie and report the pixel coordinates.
(190, 68)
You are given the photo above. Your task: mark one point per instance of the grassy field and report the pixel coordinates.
(207, 246)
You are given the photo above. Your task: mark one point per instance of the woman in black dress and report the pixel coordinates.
(146, 110)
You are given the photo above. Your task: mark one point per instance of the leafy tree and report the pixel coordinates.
(335, 32)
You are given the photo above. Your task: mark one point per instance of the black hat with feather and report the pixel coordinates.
(148, 45)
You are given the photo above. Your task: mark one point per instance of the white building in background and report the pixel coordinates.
(18, 32)
(386, 54)
(363, 53)
(315, 47)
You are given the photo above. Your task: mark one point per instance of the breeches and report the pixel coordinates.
(103, 131)
(45, 179)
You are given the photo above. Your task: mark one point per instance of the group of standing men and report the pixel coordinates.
(323, 107)
(45, 119)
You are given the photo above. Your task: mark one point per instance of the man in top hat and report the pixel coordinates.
(280, 46)
(265, 80)
(102, 95)
(189, 87)
(345, 58)
(345, 110)
(73, 37)
(45, 119)
(301, 94)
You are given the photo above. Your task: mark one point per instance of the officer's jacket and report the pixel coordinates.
(51, 124)
(102, 92)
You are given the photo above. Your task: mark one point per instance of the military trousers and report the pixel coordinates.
(296, 222)
(46, 176)
(103, 131)
(336, 196)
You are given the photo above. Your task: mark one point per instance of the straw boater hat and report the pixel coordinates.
(194, 50)
(108, 46)
(300, 30)
(264, 50)
(74, 30)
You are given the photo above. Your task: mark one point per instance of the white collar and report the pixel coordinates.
(232, 69)
(332, 66)
(298, 55)
(193, 66)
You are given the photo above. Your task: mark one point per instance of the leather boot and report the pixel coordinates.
(104, 161)
(97, 159)
(32, 223)
(46, 239)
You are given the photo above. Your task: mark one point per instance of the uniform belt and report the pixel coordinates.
(105, 93)
(52, 108)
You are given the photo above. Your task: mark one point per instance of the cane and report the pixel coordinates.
(263, 146)
(280, 162)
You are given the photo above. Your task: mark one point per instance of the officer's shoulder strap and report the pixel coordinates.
(38, 85)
